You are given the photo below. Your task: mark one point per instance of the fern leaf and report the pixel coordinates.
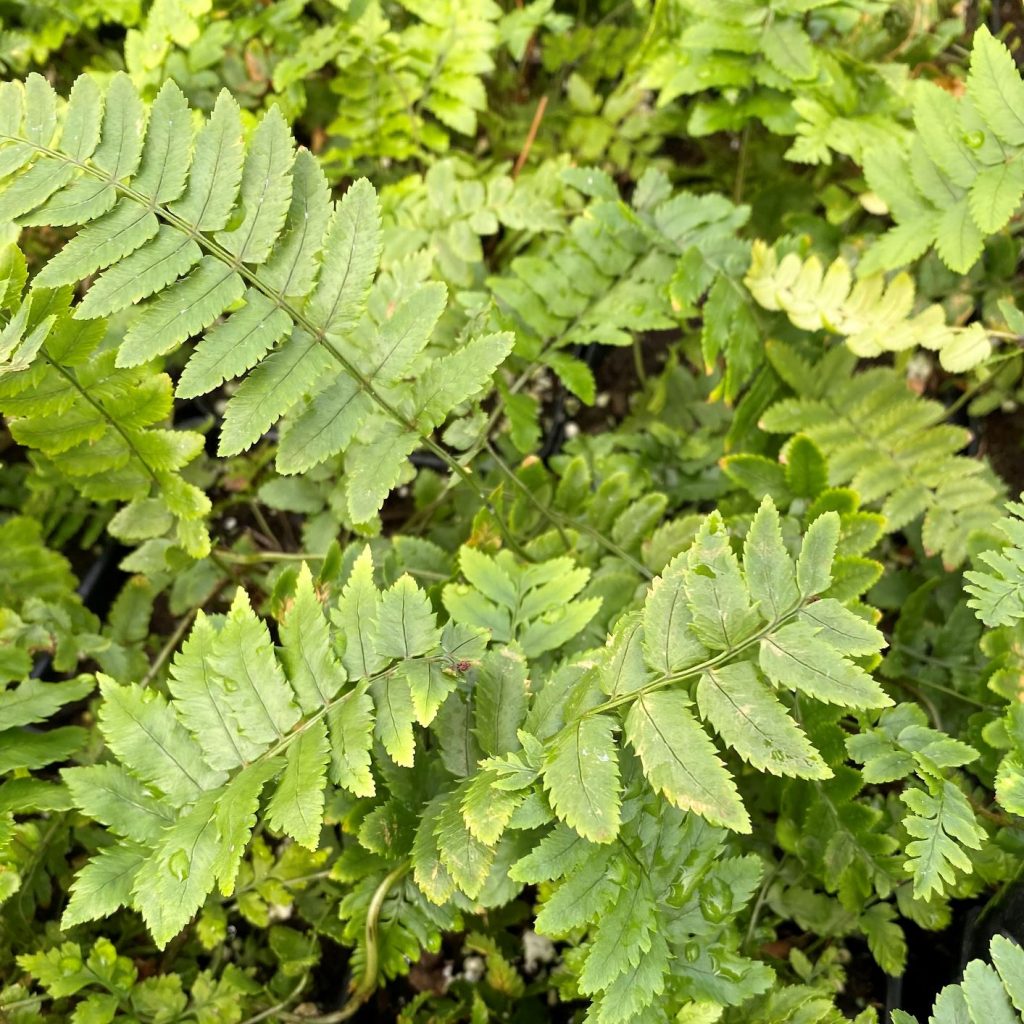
(216, 170)
(108, 794)
(270, 390)
(874, 316)
(313, 672)
(625, 936)
(680, 761)
(394, 719)
(204, 702)
(720, 604)
(767, 565)
(942, 823)
(325, 427)
(235, 818)
(177, 876)
(997, 596)
(351, 729)
(236, 227)
(794, 657)
(995, 85)
(265, 193)
(297, 806)
(752, 721)
(233, 346)
(243, 656)
(581, 774)
(405, 624)
(104, 885)
(356, 615)
(350, 258)
(185, 308)
(142, 730)
(500, 701)
(147, 270)
(467, 859)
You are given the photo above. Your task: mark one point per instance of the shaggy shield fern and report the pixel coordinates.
(182, 235)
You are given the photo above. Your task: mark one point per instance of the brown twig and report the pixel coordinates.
(524, 153)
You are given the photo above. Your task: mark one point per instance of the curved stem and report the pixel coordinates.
(368, 982)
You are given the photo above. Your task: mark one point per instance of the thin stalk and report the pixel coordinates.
(368, 983)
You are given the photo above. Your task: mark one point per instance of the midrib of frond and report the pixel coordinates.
(125, 436)
(211, 246)
(668, 678)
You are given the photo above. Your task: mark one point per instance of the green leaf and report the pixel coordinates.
(356, 614)
(1008, 959)
(216, 169)
(185, 308)
(995, 195)
(719, 601)
(995, 87)
(466, 858)
(350, 259)
(108, 794)
(204, 703)
(405, 624)
(986, 998)
(313, 672)
(584, 896)
(235, 818)
(680, 761)
(233, 346)
(814, 564)
(767, 565)
(806, 468)
(394, 719)
(351, 729)
(959, 241)
(788, 48)
(668, 642)
(795, 658)
(142, 730)
(265, 190)
(35, 701)
(581, 774)
(625, 934)
(500, 700)
(243, 656)
(942, 823)
(297, 806)
(752, 721)
(177, 877)
(104, 885)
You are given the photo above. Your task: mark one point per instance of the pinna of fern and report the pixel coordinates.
(92, 422)
(237, 243)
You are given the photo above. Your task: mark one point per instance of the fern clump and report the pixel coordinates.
(502, 512)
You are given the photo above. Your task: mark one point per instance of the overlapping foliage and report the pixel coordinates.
(562, 579)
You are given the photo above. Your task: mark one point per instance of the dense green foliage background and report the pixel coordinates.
(505, 511)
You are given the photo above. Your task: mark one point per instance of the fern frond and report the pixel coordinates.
(242, 230)
(614, 272)
(732, 635)
(96, 424)
(888, 444)
(997, 592)
(639, 947)
(961, 177)
(874, 316)
(987, 992)
(185, 789)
